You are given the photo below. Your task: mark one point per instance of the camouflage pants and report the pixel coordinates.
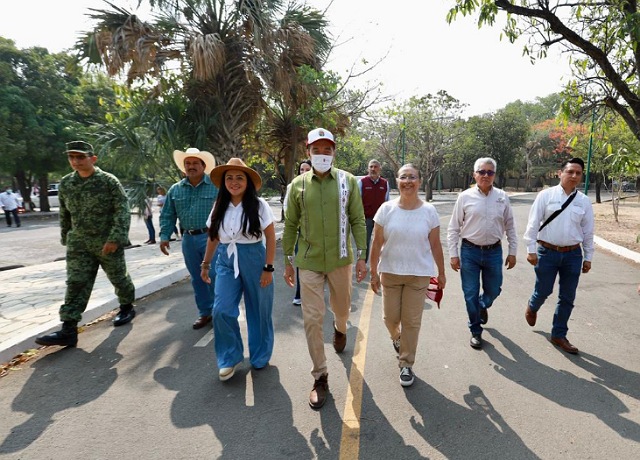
(83, 261)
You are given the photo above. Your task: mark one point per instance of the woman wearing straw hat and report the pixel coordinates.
(244, 266)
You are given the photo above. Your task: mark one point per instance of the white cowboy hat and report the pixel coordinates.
(209, 161)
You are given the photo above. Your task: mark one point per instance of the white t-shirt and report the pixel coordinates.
(406, 249)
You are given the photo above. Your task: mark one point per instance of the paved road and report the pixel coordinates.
(150, 389)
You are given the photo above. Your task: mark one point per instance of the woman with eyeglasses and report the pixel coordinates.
(405, 253)
(481, 217)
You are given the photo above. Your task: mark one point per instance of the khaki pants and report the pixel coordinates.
(403, 298)
(313, 309)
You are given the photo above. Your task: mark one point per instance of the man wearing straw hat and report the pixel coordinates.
(190, 200)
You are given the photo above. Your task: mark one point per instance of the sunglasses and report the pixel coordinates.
(486, 172)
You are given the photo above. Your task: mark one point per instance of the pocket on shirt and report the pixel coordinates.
(577, 214)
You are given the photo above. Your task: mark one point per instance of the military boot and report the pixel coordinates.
(66, 337)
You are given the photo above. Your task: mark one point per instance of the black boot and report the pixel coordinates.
(66, 337)
(126, 314)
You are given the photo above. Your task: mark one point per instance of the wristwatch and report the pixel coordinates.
(268, 268)
(362, 254)
(290, 259)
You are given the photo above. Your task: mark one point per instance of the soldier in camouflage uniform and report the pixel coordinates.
(94, 224)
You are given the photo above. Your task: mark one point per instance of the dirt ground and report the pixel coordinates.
(626, 231)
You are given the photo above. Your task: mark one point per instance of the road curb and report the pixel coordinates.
(96, 308)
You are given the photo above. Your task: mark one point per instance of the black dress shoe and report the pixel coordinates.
(124, 316)
(484, 316)
(476, 341)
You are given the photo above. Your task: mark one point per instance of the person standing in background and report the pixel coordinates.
(303, 167)
(148, 220)
(10, 204)
(374, 191)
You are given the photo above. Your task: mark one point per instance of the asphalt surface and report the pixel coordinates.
(150, 389)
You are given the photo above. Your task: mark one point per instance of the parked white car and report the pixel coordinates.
(52, 193)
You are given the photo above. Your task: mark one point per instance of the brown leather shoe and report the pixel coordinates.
(530, 316)
(564, 344)
(319, 392)
(202, 322)
(339, 340)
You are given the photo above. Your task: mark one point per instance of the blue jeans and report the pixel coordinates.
(152, 231)
(193, 249)
(474, 263)
(568, 265)
(258, 303)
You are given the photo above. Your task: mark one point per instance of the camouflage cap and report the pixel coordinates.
(80, 146)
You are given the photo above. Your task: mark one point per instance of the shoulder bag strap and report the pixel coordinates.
(557, 213)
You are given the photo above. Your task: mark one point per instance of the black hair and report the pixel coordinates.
(250, 210)
(303, 162)
(577, 161)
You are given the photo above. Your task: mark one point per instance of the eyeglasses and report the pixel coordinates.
(486, 172)
(408, 177)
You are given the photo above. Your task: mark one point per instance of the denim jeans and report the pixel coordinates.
(152, 231)
(258, 304)
(474, 264)
(568, 265)
(193, 249)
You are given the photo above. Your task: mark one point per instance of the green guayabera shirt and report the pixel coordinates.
(94, 208)
(325, 211)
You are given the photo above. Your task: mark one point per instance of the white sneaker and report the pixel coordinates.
(297, 301)
(226, 373)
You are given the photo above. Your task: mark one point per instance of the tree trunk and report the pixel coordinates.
(43, 184)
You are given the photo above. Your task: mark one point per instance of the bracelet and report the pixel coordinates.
(268, 268)
(205, 265)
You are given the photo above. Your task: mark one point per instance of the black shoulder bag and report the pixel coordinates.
(557, 213)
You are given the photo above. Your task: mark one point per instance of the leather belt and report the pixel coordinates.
(488, 246)
(553, 247)
(199, 231)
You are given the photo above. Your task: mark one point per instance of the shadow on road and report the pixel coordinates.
(65, 379)
(566, 389)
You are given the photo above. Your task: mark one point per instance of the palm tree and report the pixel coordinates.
(230, 55)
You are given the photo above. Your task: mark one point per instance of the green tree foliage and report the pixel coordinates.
(419, 131)
(602, 39)
(45, 101)
(232, 56)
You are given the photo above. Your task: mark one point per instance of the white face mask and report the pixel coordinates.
(321, 163)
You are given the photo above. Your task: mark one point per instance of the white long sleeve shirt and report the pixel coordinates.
(574, 225)
(482, 219)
